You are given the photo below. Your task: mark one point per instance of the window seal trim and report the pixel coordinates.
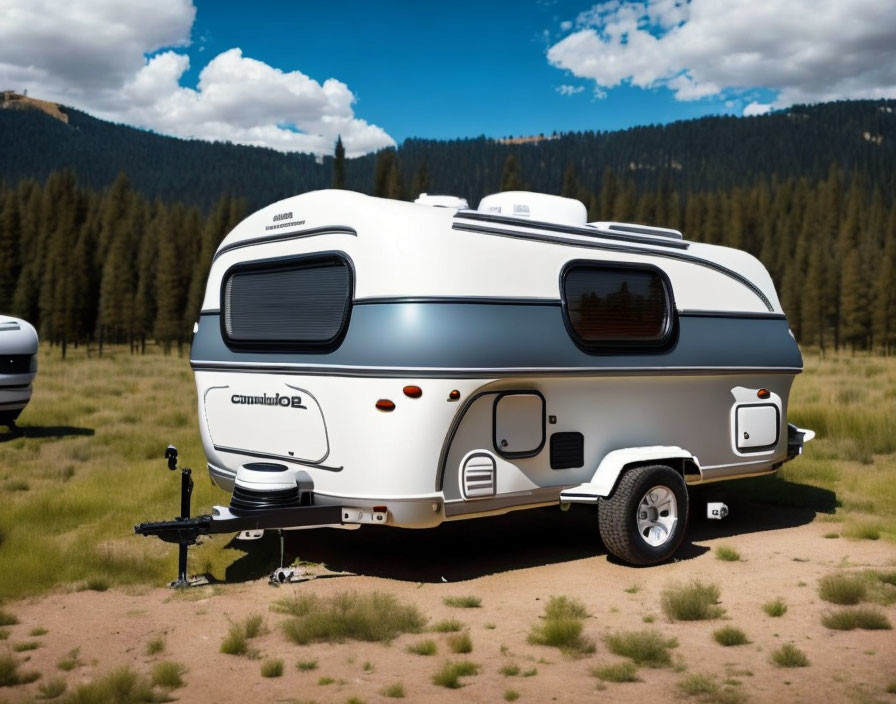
(664, 344)
(285, 263)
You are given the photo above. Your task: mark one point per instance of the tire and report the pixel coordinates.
(643, 521)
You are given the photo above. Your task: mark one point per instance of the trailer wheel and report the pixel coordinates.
(643, 520)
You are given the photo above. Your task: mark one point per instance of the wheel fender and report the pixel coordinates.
(614, 463)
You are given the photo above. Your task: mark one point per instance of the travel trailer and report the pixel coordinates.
(18, 367)
(368, 361)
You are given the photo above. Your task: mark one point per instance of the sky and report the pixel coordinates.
(295, 75)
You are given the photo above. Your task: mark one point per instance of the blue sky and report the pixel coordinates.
(293, 76)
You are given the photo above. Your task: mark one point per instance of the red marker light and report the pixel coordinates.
(763, 393)
(413, 391)
(454, 395)
(385, 404)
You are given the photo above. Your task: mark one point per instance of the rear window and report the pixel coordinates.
(297, 302)
(617, 306)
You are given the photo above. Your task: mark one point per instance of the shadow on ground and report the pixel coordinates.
(43, 431)
(468, 549)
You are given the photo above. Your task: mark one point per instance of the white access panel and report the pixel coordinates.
(757, 426)
(519, 424)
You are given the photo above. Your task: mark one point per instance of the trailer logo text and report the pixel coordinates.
(265, 400)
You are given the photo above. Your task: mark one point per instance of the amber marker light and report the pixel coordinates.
(763, 393)
(385, 404)
(454, 395)
(413, 391)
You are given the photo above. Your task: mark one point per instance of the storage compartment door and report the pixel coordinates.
(519, 424)
(757, 427)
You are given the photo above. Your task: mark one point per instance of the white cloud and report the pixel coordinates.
(802, 50)
(567, 89)
(97, 55)
(755, 108)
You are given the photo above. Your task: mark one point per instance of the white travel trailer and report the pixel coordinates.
(18, 367)
(362, 360)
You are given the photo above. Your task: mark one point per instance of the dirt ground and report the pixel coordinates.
(514, 563)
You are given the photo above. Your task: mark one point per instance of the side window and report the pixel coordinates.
(617, 306)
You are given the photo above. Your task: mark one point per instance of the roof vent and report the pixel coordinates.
(442, 201)
(535, 206)
(628, 228)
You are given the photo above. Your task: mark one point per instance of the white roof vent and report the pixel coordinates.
(442, 201)
(628, 228)
(535, 206)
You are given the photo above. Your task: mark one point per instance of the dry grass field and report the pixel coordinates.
(790, 599)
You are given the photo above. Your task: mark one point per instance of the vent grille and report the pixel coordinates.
(248, 501)
(567, 450)
(479, 476)
(15, 364)
(304, 302)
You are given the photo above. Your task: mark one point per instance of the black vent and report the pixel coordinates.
(567, 450)
(299, 302)
(246, 501)
(15, 364)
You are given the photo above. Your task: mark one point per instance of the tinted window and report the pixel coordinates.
(303, 302)
(612, 305)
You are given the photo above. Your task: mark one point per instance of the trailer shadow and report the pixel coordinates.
(465, 550)
(43, 431)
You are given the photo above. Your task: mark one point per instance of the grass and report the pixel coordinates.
(9, 672)
(463, 602)
(374, 617)
(237, 640)
(70, 660)
(625, 671)
(120, 686)
(4, 633)
(25, 646)
(168, 675)
(306, 665)
(562, 625)
(6, 618)
(775, 608)
(696, 684)
(691, 602)
(156, 645)
(511, 695)
(324, 681)
(788, 655)
(460, 643)
(727, 554)
(647, 648)
(38, 631)
(272, 668)
(510, 670)
(52, 688)
(393, 691)
(729, 636)
(844, 588)
(450, 673)
(423, 647)
(865, 618)
(450, 625)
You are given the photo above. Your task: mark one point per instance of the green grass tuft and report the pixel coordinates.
(865, 618)
(237, 640)
(450, 673)
(272, 668)
(306, 665)
(4, 633)
(730, 635)
(25, 646)
(727, 554)
(697, 684)
(423, 647)
(70, 660)
(168, 675)
(121, 686)
(510, 670)
(511, 695)
(625, 671)
(648, 648)
(393, 691)
(9, 672)
(375, 617)
(845, 589)
(460, 643)
(324, 681)
(448, 626)
(862, 531)
(564, 620)
(463, 602)
(38, 631)
(52, 688)
(156, 645)
(788, 655)
(7, 619)
(692, 602)
(775, 608)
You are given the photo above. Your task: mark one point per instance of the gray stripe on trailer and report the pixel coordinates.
(472, 338)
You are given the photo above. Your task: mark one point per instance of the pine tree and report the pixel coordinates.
(385, 160)
(10, 261)
(420, 184)
(339, 164)
(510, 175)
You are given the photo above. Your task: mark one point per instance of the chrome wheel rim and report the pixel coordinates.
(657, 514)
